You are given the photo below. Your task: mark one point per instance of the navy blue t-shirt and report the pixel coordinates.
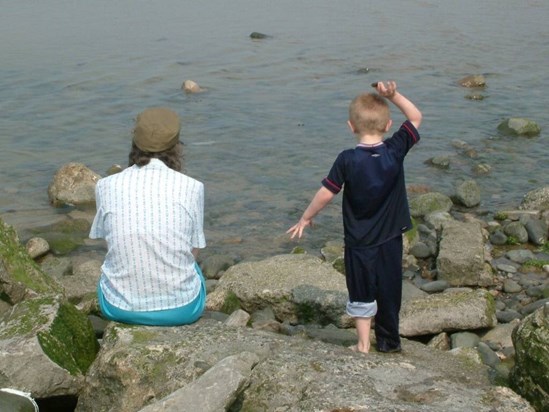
(375, 204)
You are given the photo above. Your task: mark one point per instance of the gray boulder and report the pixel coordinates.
(435, 286)
(213, 266)
(520, 255)
(530, 374)
(37, 247)
(498, 238)
(517, 231)
(537, 231)
(440, 342)
(82, 283)
(438, 219)
(464, 340)
(461, 257)
(420, 250)
(78, 275)
(46, 347)
(300, 288)
(499, 338)
(73, 184)
(448, 312)
(142, 366)
(468, 193)
(537, 199)
(411, 291)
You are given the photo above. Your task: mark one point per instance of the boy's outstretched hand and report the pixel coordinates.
(320, 199)
(297, 229)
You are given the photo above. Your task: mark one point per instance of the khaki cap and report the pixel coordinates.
(156, 129)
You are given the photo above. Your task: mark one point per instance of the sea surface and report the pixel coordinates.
(272, 118)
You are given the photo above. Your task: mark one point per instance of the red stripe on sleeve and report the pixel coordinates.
(332, 184)
(410, 131)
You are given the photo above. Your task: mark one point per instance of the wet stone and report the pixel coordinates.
(510, 286)
(520, 255)
(507, 316)
(506, 268)
(498, 238)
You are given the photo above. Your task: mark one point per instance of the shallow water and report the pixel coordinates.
(265, 132)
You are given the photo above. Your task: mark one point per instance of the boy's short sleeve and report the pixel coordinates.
(404, 139)
(336, 178)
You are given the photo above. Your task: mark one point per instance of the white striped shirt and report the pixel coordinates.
(152, 218)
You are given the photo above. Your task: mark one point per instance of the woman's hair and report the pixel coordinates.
(369, 112)
(172, 157)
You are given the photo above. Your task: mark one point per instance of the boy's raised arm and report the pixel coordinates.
(409, 109)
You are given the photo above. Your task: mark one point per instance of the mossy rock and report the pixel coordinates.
(530, 374)
(231, 304)
(422, 205)
(19, 273)
(65, 335)
(63, 244)
(339, 264)
(65, 236)
(518, 126)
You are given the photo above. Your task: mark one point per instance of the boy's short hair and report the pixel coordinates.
(369, 113)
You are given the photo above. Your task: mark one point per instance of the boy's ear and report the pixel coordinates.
(351, 126)
(389, 124)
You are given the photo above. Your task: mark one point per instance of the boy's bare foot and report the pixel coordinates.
(356, 348)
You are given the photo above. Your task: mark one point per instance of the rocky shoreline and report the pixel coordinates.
(275, 335)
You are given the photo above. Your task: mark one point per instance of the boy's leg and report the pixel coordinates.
(361, 285)
(389, 297)
(363, 326)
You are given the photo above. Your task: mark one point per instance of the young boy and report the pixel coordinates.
(375, 212)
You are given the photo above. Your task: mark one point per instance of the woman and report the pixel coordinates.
(151, 216)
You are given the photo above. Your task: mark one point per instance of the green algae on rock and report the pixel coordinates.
(530, 374)
(20, 276)
(64, 333)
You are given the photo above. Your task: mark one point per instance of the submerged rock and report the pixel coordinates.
(258, 36)
(473, 80)
(190, 86)
(519, 126)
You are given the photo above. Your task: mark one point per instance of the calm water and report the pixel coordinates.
(73, 75)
